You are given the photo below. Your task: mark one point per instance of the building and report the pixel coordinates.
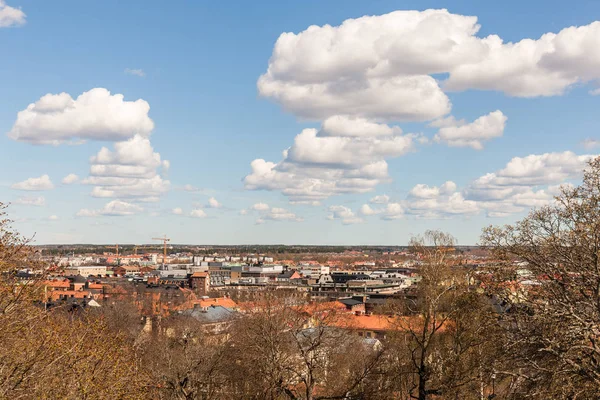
(200, 282)
(87, 270)
(314, 271)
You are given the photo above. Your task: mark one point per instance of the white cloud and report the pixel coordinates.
(260, 207)
(533, 170)
(316, 167)
(190, 188)
(177, 211)
(524, 182)
(69, 179)
(393, 211)
(341, 125)
(367, 74)
(94, 115)
(423, 191)
(114, 208)
(346, 152)
(380, 199)
(442, 206)
(198, 213)
(41, 183)
(136, 72)
(266, 212)
(280, 214)
(381, 67)
(462, 134)
(10, 16)
(367, 210)
(132, 170)
(213, 203)
(53, 218)
(345, 214)
(520, 184)
(31, 201)
(529, 68)
(590, 143)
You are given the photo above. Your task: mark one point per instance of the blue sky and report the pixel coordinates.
(201, 62)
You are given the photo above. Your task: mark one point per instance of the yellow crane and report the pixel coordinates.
(116, 246)
(165, 240)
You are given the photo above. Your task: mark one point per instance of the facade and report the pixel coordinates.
(200, 282)
(88, 270)
(314, 271)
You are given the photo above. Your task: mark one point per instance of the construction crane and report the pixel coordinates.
(165, 240)
(116, 246)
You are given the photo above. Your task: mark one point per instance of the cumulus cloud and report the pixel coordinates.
(53, 218)
(69, 179)
(462, 134)
(369, 73)
(213, 203)
(93, 115)
(316, 167)
(266, 212)
(115, 208)
(280, 214)
(367, 210)
(198, 213)
(530, 68)
(31, 201)
(41, 183)
(310, 149)
(136, 72)
(525, 182)
(260, 207)
(341, 126)
(381, 66)
(380, 199)
(131, 170)
(344, 214)
(177, 211)
(10, 16)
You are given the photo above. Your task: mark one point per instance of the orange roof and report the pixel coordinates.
(379, 323)
(322, 306)
(220, 301)
(95, 285)
(58, 284)
(200, 275)
(77, 294)
(205, 303)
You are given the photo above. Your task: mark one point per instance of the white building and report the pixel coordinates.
(267, 269)
(87, 270)
(314, 271)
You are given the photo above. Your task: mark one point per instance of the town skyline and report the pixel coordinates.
(266, 124)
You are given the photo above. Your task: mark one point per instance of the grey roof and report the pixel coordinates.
(211, 315)
(350, 302)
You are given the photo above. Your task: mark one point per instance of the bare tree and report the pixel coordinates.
(440, 344)
(553, 331)
(290, 351)
(55, 353)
